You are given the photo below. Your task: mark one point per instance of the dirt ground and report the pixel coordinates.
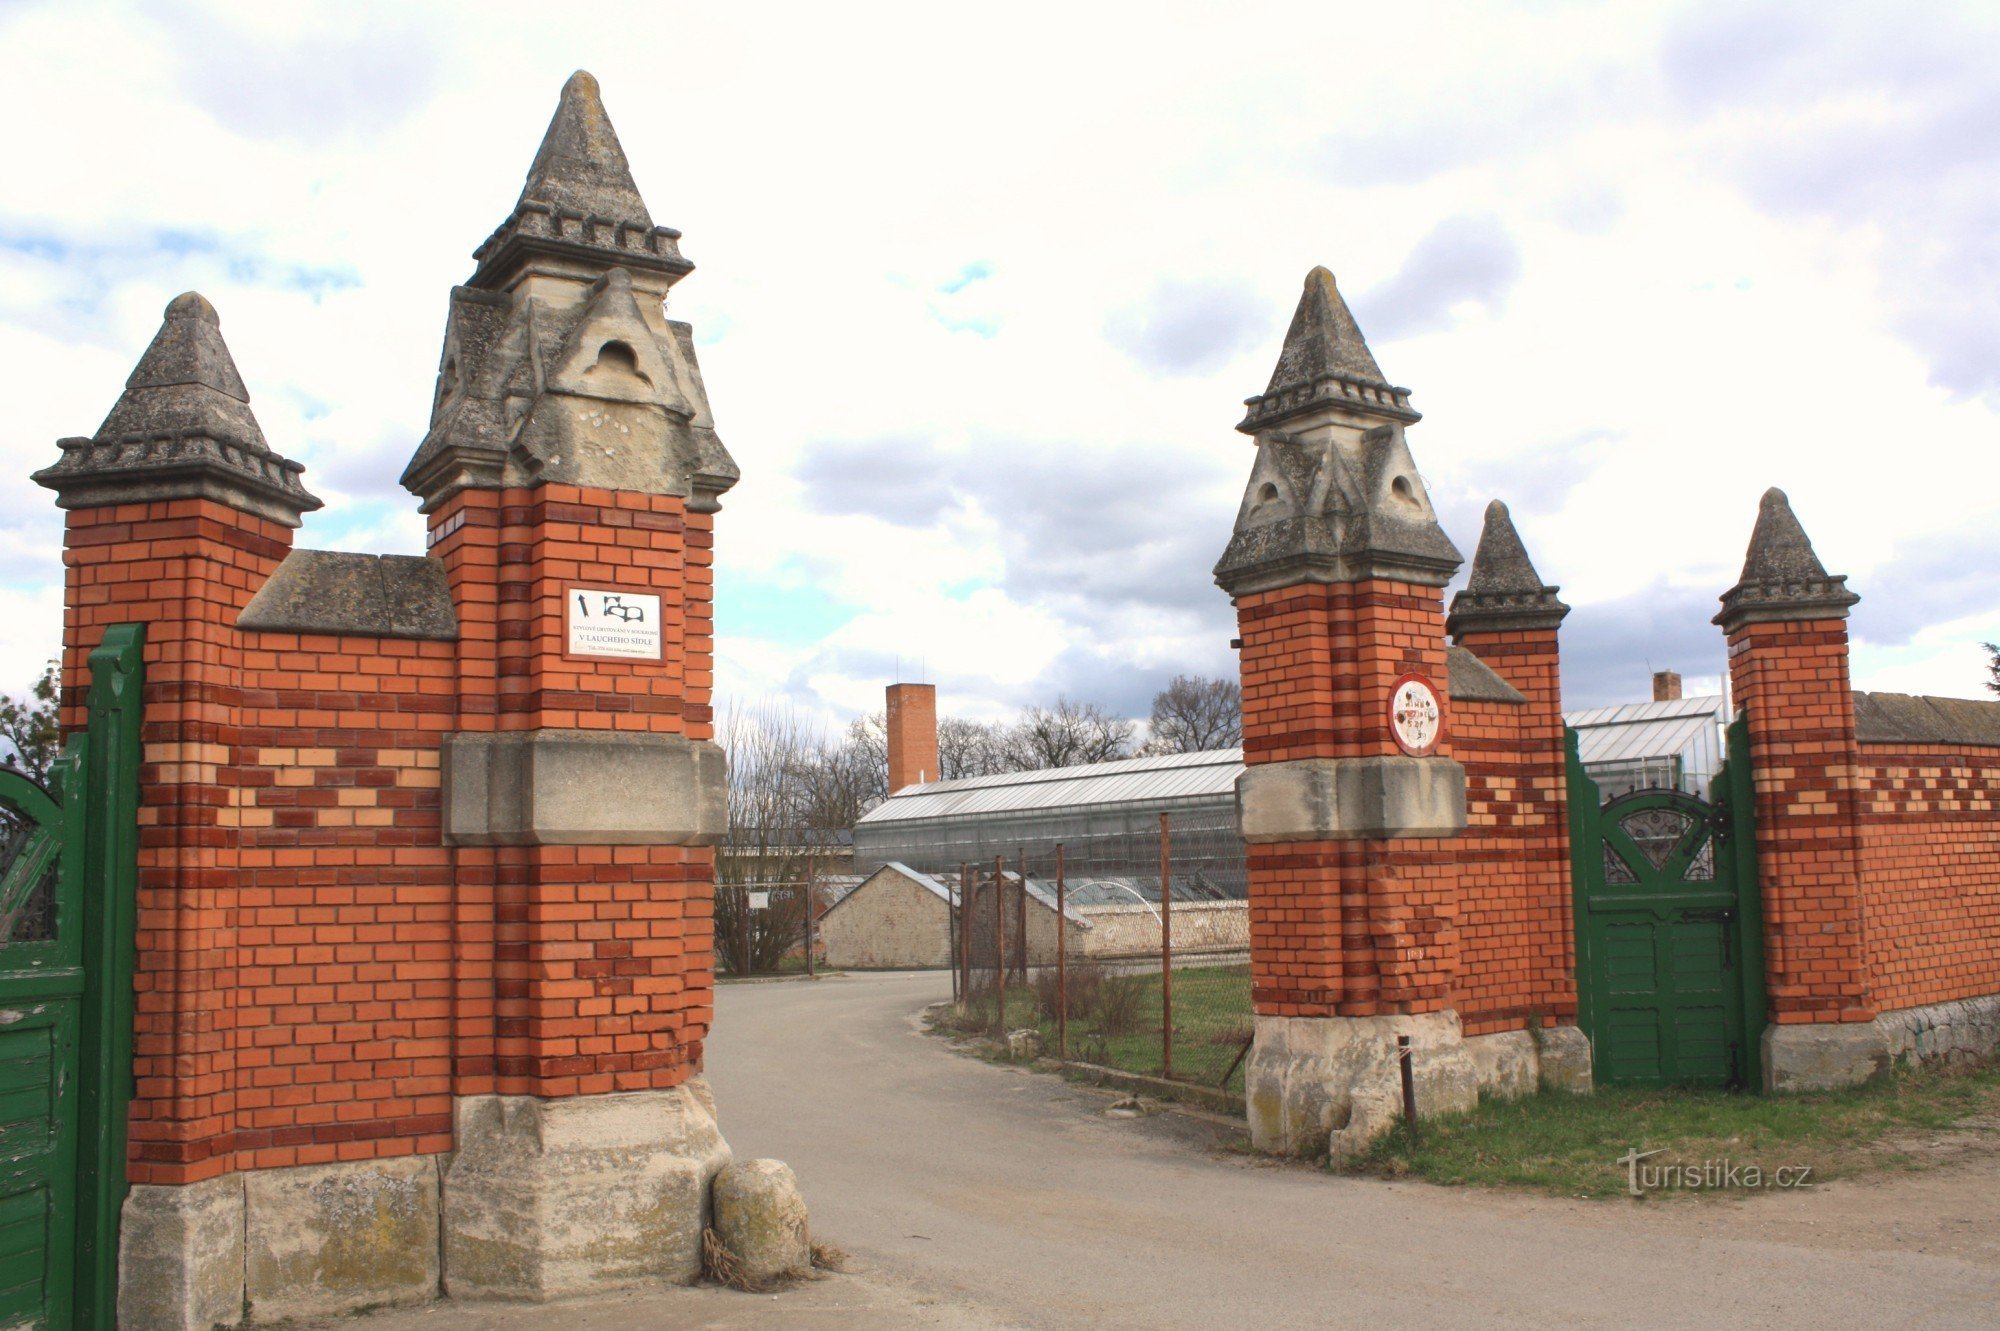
(980, 1196)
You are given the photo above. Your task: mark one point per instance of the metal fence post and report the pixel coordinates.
(1021, 912)
(1000, 945)
(1166, 950)
(1062, 959)
(812, 926)
(965, 932)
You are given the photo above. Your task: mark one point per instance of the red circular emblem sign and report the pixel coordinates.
(1416, 716)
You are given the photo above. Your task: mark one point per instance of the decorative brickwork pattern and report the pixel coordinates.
(1930, 857)
(1343, 928)
(1790, 677)
(1516, 926)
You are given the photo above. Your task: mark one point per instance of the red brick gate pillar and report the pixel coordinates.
(570, 476)
(1336, 568)
(1786, 620)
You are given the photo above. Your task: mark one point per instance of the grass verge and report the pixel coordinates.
(1572, 1144)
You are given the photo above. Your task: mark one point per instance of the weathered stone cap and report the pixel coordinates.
(580, 199)
(1903, 718)
(1782, 577)
(181, 429)
(356, 595)
(1325, 360)
(1503, 591)
(1469, 679)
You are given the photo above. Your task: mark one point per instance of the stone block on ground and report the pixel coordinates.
(1024, 1045)
(761, 1219)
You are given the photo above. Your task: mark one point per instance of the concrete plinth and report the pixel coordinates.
(326, 1239)
(550, 1198)
(180, 1256)
(1825, 1055)
(1330, 1085)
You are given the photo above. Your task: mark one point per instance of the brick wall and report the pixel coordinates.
(318, 974)
(1929, 824)
(1343, 928)
(1791, 678)
(1517, 939)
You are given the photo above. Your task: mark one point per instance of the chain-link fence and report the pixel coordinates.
(1145, 972)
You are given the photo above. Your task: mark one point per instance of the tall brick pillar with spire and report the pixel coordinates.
(1336, 567)
(1786, 621)
(570, 476)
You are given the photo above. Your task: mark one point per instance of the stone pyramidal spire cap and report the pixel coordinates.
(579, 201)
(1325, 360)
(1334, 495)
(1782, 577)
(559, 362)
(1503, 592)
(181, 429)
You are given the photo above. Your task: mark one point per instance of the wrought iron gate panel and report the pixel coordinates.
(1669, 960)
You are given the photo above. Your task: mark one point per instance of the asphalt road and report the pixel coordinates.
(997, 1197)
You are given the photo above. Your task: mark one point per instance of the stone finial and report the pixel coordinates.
(1334, 495)
(181, 429)
(580, 202)
(1325, 363)
(1503, 592)
(559, 364)
(1782, 577)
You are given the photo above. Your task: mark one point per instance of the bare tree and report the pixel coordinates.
(1193, 714)
(970, 748)
(1992, 666)
(1066, 735)
(787, 797)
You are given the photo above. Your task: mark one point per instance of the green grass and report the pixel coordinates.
(1211, 1023)
(1556, 1142)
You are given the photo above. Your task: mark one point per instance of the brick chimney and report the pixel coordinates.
(1666, 686)
(913, 739)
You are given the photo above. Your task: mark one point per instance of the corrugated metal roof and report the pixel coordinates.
(1642, 729)
(1170, 777)
(1605, 734)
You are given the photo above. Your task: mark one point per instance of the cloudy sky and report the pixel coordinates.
(979, 293)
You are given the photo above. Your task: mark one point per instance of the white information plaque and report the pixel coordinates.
(603, 622)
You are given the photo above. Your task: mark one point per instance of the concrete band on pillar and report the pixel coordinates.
(583, 787)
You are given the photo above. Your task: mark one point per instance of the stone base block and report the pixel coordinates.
(180, 1256)
(326, 1239)
(1563, 1059)
(1826, 1055)
(549, 1198)
(1511, 1064)
(275, 1244)
(1330, 1085)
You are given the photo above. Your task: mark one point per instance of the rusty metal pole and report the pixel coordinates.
(1021, 911)
(1166, 951)
(1403, 1056)
(1062, 959)
(812, 936)
(743, 900)
(965, 932)
(1000, 945)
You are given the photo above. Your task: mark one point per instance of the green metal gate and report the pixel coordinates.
(1669, 950)
(68, 865)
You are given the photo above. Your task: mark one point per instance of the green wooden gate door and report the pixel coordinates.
(67, 868)
(1669, 961)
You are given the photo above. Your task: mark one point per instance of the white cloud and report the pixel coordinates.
(978, 309)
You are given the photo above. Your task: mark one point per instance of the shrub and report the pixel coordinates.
(1086, 979)
(1121, 1003)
